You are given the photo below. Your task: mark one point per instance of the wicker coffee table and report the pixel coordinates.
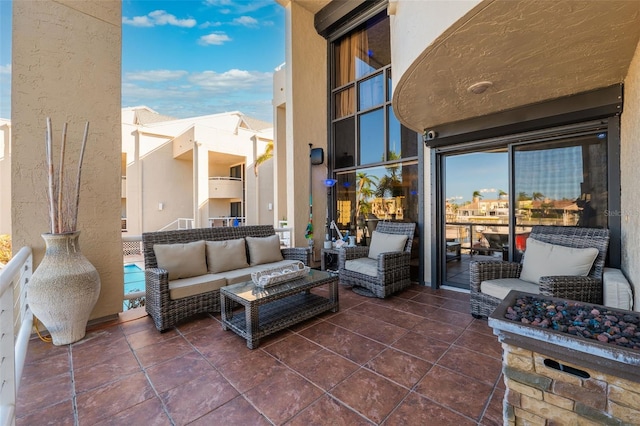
(271, 309)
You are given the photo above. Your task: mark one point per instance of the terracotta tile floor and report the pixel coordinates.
(417, 358)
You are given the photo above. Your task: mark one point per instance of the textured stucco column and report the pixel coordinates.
(66, 65)
(630, 176)
(306, 122)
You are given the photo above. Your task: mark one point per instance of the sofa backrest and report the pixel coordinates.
(182, 236)
(576, 237)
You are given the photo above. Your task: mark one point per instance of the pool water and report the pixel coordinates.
(133, 279)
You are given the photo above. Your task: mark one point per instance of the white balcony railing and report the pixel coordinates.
(226, 221)
(16, 322)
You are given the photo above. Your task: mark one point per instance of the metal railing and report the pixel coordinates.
(179, 223)
(16, 322)
(227, 221)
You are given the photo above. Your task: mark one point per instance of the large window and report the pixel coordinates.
(366, 196)
(373, 156)
(364, 129)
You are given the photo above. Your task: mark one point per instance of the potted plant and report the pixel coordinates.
(65, 287)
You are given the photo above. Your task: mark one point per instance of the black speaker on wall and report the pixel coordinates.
(317, 156)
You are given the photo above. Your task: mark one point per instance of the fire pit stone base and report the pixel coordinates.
(556, 378)
(539, 393)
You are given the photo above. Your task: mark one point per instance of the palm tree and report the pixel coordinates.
(501, 193)
(366, 189)
(538, 196)
(523, 196)
(477, 195)
(267, 154)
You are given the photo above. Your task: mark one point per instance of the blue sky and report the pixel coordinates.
(188, 58)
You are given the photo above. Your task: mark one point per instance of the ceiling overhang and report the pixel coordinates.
(530, 51)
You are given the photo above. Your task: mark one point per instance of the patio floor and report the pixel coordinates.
(417, 358)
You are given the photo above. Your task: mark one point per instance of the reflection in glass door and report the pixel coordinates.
(476, 211)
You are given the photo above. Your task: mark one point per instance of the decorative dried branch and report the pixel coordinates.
(49, 142)
(61, 177)
(84, 144)
(63, 210)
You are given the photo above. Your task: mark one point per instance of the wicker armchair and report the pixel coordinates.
(392, 267)
(581, 288)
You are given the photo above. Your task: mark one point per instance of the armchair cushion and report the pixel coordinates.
(226, 255)
(264, 249)
(382, 243)
(501, 286)
(363, 265)
(182, 260)
(543, 259)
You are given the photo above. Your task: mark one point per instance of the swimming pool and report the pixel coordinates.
(133, 279)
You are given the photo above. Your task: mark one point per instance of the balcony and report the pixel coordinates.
(225, 187)
(410, 358)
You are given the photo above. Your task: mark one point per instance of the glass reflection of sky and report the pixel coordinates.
(481, 171)
(556, 173)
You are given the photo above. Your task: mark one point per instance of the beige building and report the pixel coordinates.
(194, 172)
(375, 84)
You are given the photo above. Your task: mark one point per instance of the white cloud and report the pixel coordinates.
(155, 75)
(246, 21)
(231, 80)
(137, 21)
(159, 17)
(209, 24)
(484, 190)
(216, 38)
(201, 93)
(5, 69)
(240, 6)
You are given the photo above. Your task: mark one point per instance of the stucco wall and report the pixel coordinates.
(5, 177)
(306, 85)
(66, 55)
(410, 36)
(630, 176)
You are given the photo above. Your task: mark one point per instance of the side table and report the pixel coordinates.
(329, 259)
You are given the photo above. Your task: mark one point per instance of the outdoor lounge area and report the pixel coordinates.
(399, 360)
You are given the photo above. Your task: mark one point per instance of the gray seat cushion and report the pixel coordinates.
(363, 265)
(501, 287)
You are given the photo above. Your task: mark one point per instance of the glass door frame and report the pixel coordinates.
(438, 174)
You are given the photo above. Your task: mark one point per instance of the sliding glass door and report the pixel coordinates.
(476, 212)
(492, 196)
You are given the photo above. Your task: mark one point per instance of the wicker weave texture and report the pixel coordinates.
(280, 309)
(585, 289)
(393, 269)
(167, 312)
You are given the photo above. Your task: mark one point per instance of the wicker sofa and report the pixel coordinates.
(172, 297)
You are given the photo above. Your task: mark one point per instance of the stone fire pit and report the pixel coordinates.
(587, 369)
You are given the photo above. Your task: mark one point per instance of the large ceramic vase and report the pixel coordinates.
(64, 288)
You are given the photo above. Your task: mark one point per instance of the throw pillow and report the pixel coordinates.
(264, 249)
(182, 260)
(226, 255)
(543, 259)
(383, 243)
